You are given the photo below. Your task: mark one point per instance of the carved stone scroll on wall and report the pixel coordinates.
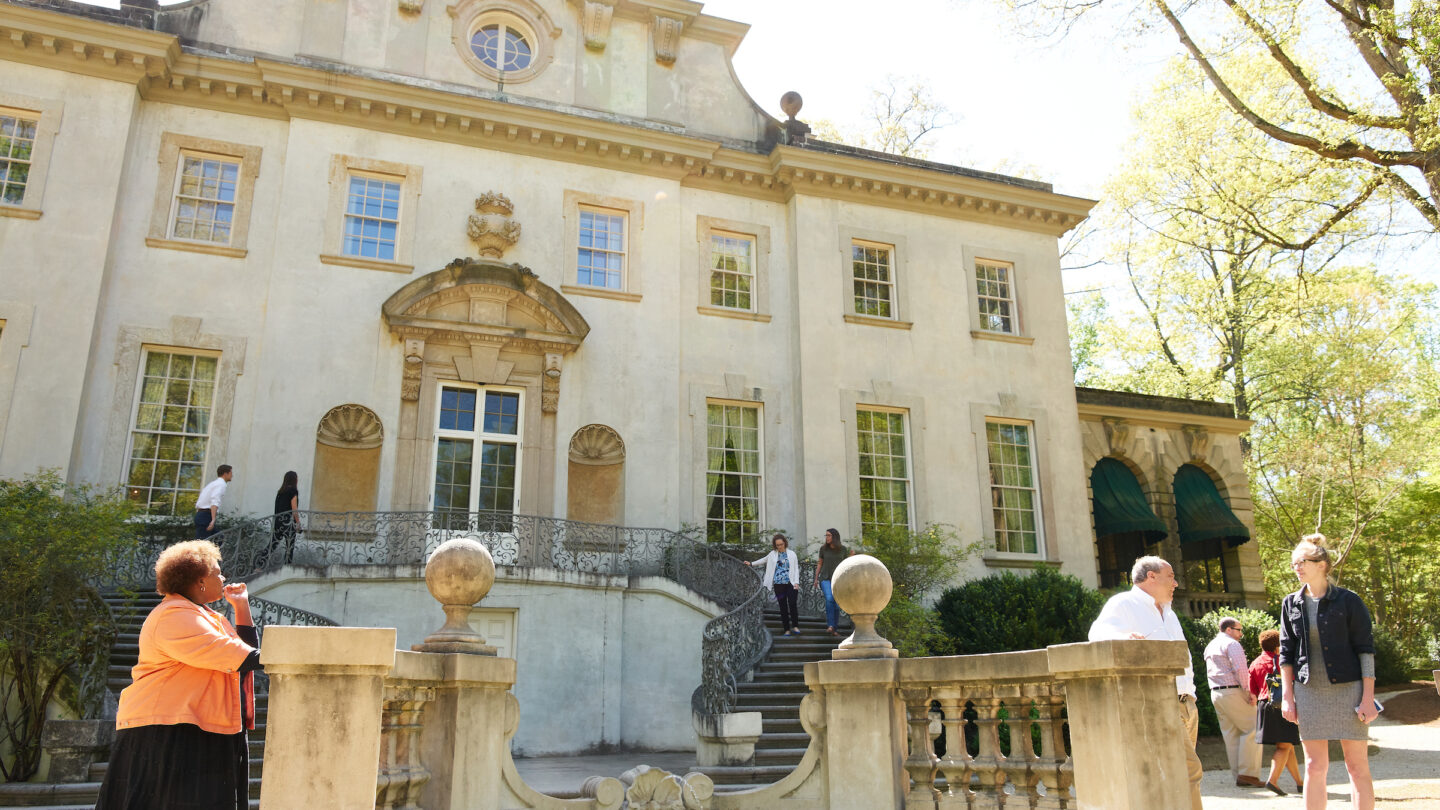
(1197, 442)
(414, 367)
(595, 16)
(1117, 434)
(550, 384)
(355, 427)
(666, 33)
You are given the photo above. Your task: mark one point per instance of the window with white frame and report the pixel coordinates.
(477, 450)
(601, 259)
(170, 432)
(17, 145)
(205, 196)
(1014, 491)
(884, 465)
(503, 45)
(372, 216)
(995, 291)
(733, 474)
(732, 271)
(873, 275)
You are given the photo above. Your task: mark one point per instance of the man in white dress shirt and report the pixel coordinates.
(1144, 612)
(1229, 679)
(207, 506)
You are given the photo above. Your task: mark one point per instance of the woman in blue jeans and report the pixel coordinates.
(782, 573)
(831, 554)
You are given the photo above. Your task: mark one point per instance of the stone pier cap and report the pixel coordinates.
(1086, 659)
(291, 649)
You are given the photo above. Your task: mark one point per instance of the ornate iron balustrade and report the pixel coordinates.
(734, 643)
(264, 613)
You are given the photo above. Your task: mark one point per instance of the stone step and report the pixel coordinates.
(790, 698)
(747, 774)
(783, 725)
(779, 756)
(769, 709)
(787, 739)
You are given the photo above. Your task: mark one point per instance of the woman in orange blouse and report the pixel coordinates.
(180, 731)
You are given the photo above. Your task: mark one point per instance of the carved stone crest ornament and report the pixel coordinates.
(1197, 441)
(491, 227)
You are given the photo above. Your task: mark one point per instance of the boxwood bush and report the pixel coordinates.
(1006, 612)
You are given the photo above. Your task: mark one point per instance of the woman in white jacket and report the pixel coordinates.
(782, 573)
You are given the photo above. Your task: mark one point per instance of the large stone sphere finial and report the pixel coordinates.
(790, 103)
(861, 585)
(459, 573)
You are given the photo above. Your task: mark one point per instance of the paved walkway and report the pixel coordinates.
(1406, 769)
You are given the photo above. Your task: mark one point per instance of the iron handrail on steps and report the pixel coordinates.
(733, 643)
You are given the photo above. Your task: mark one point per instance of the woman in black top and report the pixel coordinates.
(287, 521)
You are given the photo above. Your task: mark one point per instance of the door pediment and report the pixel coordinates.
(473, 301)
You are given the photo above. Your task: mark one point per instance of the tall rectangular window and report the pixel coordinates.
(732, 271)
(995, 291)
(477, 459)
(372, 217)
(205, 198)
(733, 473)
(17, 143)
(874, 278)
(884, 456)
(1014, 495)
(165, 468)
(601, 261)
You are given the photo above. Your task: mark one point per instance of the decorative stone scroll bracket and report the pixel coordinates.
(414, 370)
(666, 31)
(550, 383)
(595, 17)
(1117, 433)
(1197, 442)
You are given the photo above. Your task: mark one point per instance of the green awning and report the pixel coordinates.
(1119, 505)
(1207, 526)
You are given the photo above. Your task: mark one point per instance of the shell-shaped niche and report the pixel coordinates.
(597, 444)
(354, 427)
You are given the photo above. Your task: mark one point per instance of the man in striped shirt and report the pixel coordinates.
(1228, 674)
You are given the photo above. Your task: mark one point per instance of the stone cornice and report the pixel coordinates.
(1156, 418)
(273, 88)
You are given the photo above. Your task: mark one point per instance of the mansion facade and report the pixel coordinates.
(548, 257)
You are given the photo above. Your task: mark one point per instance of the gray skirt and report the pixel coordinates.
(1327, 710)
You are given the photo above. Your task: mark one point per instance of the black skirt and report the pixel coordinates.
(179, 767)
(1272, 725)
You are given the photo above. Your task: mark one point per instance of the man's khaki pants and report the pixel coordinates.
(1237, 724)
(1191, 718)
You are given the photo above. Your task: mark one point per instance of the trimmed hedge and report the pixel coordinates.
(1006, 612)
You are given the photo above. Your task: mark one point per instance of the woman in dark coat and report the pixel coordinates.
(1327, 673)
(287, 518)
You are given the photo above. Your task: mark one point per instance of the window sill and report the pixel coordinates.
(599, 292)
(19, 212)
(995, 560)
(980, 334)
(870, 320)
(738, 314)
(366, 264)
(197, 247)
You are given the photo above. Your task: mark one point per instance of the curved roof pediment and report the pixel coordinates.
(473, 300)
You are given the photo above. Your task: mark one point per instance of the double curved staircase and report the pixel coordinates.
(744, 667)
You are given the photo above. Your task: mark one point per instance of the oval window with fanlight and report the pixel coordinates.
(502, 47)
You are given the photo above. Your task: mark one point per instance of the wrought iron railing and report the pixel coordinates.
(734, 643)
(264, 613)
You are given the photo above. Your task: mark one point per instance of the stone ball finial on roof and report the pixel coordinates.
(790, 104)
(862, 587)
(459, 573)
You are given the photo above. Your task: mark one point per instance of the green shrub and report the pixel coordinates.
(1007, 612)
(913, 628)
(1391, 663)
(1254, 623)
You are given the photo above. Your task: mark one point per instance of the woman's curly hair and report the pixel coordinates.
(184, 564)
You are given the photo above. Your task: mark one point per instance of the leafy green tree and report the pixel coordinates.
(1344, 80)
(54, 538)
(920, 562)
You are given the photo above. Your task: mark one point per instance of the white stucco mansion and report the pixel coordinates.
(229, 233)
